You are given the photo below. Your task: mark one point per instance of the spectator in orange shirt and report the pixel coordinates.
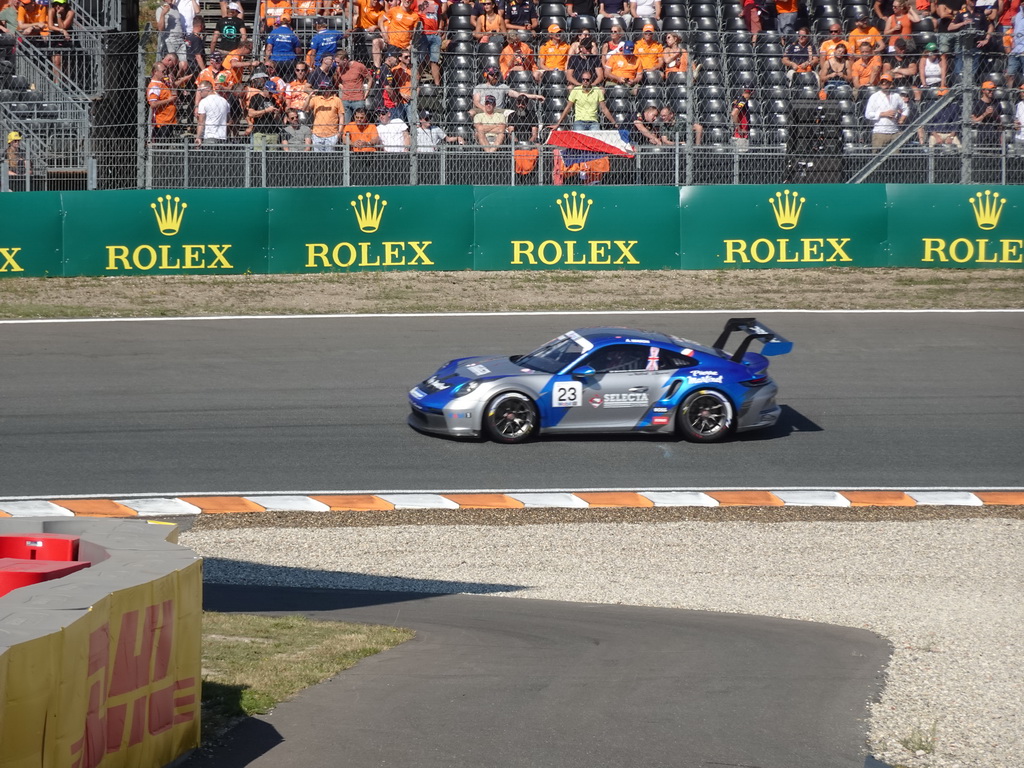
(325, 107)
(240, 60)
(623, 68)
(33, 20)
(835, 37)
(648, 50)
(361, 134)
(517, 56)
(397, 25)
(298, 91)
(162, 99)
(554, 54)
(864, 32)
(272, 10)
(365, 17)
(866, 69)
(674, 56)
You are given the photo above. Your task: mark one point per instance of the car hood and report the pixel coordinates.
(486, 367)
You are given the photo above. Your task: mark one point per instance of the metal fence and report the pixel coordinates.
(91, 127)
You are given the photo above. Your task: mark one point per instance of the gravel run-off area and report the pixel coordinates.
(947, 594)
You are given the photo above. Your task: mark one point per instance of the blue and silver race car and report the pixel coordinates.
(607, 380)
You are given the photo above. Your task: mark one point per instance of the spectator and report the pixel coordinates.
(887, 111)
(615, 9)
(586, 61)
(985, 117)
(800, 55)
(324, 42)
(240, 60)
(33, 21)
(741, 121)
(489, 126)
(645, 128)
(162, 99)
(623, 68)
(1018, 121)
(15, 155)
(672, 128)
(675, 57)
(361, 134)
(389, 83)
(9, 23)
(1015, 61)
(295, 135)
(283, 47)
(167, 20)
(786, 12)
(429, 136)
(867, 68)
(195, 47)
(297, 92)
(490, 87)
(522, 121)
(188, 9)
(393, 132)
(900, 25)
(553, 54)
(648, 50)
(931, 71)
(645, 9)
(60, 20)
(231, 30)
(587, 100)
(270, 67)
(835, 69)
(327, 112)
(175, 72)
(521, 16)
(751, 14)
(613, 45)
(397, 25)
(354, 79)
(943, 130)
(583, 34)
(835, 38)
(324, 77)
(432, 15)
(272, 10)
(264, 113)
(211, 116)
(976, 30)
(585, 8)
(215, 74)
(901, 66)
(865, 32)
(517, 56)
(489, 26)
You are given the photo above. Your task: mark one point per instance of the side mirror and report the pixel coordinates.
(583, 370)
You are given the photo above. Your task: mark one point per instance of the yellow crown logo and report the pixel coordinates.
(575, 211)
(369, 210)
(787, 206)
(988, 207)
(169, 212)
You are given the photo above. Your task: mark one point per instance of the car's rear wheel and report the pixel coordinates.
(511, 418)
(705, 416)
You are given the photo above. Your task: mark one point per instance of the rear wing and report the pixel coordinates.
(773, 343)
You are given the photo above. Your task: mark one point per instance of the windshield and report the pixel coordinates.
(553, 356)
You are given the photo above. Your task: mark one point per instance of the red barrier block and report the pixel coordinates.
(62, 547)
(15, 572)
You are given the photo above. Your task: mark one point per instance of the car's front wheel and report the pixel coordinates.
(705, 416)
(510, 418)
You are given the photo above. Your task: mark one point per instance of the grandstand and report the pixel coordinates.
(742, 113)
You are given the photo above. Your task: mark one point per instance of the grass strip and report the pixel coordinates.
(252, 663)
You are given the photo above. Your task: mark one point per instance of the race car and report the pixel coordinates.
(607, 380)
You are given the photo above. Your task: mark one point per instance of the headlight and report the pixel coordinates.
(465, 389)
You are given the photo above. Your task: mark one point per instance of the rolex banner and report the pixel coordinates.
(573, 227)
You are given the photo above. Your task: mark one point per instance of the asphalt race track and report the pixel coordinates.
(508, 683)
(876, 400)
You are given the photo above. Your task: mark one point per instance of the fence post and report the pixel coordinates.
(967, 86)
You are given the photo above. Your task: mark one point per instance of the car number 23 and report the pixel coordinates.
(567, 394)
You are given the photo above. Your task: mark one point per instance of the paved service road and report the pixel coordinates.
(319, 404)
(510, 682)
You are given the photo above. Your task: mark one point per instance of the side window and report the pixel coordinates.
(669, 361)
(619, 357)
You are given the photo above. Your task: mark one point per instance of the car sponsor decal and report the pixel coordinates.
(637, 341)
(418, 393)
(660, 420)
(437, 384)
(659, 409)
(567, 394)
(596, 401)
(652, 359)
(478, 370)
(625, 400)
(704, 377)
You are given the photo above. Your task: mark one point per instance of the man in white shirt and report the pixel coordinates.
(888, 111)
(393, 132)
(1018, 121)
(211, 116)
(429, 136)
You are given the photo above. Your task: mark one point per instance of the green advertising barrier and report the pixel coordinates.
(371, 228)
(951, 226)
(154, 232)
(799, 226)
(31, 244)
(291, 231)
(581, 228)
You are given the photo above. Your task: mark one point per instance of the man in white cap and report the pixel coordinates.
(231, 30)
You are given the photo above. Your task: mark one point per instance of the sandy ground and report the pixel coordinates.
(830, 288)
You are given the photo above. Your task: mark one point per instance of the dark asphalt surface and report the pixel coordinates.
(870, 400)
(507, 682)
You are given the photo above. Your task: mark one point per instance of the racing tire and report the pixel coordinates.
(705, 416)
(511, 418)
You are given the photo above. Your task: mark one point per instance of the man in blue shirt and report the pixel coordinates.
(283, 48)
(325, 41)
